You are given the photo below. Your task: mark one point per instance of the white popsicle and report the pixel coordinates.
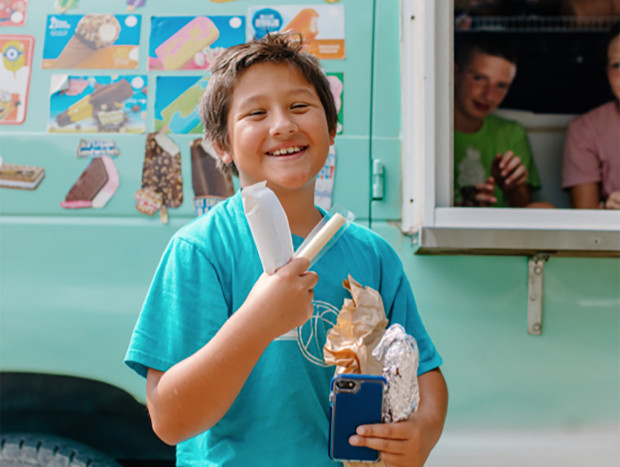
(322, 237)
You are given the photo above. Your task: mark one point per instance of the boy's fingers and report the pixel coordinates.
(392, 431)
(311, 277)
(296, 266)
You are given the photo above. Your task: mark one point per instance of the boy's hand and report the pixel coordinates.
(613, 201)
(409, 443)
(284, 298)
(400, 444)
(508, 171)
(485, 193)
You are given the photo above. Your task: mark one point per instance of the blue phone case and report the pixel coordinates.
(351, 407)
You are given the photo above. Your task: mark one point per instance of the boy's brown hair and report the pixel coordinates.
(234, 61)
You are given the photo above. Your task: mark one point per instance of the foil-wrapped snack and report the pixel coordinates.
(398, 351)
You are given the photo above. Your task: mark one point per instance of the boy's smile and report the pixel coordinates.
(277, 129)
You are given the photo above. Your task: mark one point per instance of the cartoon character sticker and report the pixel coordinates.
(15, 70)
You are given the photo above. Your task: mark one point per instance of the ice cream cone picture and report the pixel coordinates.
(321, 27)
(92, 41)
(93, 32)
(305, 23)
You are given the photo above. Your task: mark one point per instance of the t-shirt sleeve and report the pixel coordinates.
(184, 305)
(401, 308)
(580, 163)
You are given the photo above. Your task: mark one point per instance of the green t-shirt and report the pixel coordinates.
(474, 154)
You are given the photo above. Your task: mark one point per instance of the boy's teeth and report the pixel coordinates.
(281, 152)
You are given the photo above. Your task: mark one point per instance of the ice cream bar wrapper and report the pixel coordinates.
(269, 226)
(399, 354)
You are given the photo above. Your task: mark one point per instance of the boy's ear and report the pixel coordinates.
(222, 153)
(332, 137)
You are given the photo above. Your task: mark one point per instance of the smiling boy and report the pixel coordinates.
(493, 163)
(232, 356)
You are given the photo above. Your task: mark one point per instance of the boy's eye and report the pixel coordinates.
(299, 105)
(255, 113)
(615, 66)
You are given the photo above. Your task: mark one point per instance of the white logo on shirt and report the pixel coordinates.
(311, 336)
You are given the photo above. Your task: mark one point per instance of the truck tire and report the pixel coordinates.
(40, 450)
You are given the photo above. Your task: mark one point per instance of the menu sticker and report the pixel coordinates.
(176, 103)
(192, 42)
(13, 12)
(15, 71)
(98, 104)
(325, 181)
(92, 41)
(336, 85)
(321, 26)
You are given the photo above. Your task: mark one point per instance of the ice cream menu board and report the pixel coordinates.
(321, 26)
(92, 41)
(192, 42)
(15, 70)
(90, 104)
(176, 99)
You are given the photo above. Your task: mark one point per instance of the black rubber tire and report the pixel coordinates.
(40, 450)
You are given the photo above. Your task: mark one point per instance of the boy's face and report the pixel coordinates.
(482, 84)
(277, 129)
(613, 66)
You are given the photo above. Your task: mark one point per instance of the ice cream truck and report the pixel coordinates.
(102, 161)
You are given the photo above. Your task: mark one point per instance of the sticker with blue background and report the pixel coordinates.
(192, 42)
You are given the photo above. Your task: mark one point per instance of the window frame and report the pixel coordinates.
(427, 163)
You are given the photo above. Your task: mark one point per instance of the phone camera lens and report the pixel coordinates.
(345, 384)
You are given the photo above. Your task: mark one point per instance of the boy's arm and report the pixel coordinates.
(196, 393)
(409, 443)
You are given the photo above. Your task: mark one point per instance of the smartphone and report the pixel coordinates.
(354, 400)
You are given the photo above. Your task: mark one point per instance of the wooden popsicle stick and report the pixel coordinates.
(322, 237)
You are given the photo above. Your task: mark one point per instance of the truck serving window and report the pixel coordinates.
(544, 105)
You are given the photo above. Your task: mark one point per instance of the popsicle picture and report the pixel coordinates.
(192, 42)
(175, 103)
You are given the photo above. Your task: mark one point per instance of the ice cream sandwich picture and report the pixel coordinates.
(92, 41)
(95, 186)
(192, 42)
(24, 177)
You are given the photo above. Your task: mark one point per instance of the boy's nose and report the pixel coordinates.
(283, 125)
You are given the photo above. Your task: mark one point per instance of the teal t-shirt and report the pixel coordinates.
(474, 154)
(280, 417)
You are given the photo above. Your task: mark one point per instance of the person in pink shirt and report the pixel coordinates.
(591, 166)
